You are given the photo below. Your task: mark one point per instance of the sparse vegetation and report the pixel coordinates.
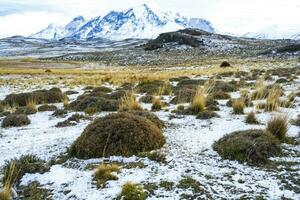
(25, 164)
(198, 103)
(273, 101)
(251, 146)
(118, 134)
(47, 107)
(132, 191)
(156, 104)
(260, 90)
(14, 120)
(225, 64)
(129, 102)
(104, 173)
(251, 118)
(238, 106)
(278, 126)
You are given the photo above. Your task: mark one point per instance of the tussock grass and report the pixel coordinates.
(128, 102)
(104, 173)
(278, 126)
(131, 191)
(273, 101)
(260, 89)
(114, 75)
(199, 101)
(31, 103)
(251, 146)
(165, 89)
(5, 193)
(238, 106)
(251, 118)
(156, 104)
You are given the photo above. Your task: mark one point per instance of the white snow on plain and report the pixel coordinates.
(188, 151)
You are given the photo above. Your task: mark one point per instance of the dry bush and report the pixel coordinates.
(132, 191)
(199, 101)
(260, 89)
(25, 164)
(251, 146)
(156, 104)
(278, 126)
(15, 120)
(238, 106)
(128, 102)
(104, 173)
(251, 118)
(273, 101)
(118, 134)
(5, 193)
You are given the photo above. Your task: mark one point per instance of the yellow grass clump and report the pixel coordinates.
(128, 102)
(104, 173)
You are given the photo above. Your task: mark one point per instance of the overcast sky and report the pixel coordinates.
(23, 17)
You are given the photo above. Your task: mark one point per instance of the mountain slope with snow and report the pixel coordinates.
(137, 22)
(276, 32)
(55, 32)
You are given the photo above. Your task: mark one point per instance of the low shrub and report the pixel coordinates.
(25, 110)
(118, 134)
(296, 122)
(98, 103)
(149, 87)
(91, 110)
(225, 64)
(53, 95)
(14, 120)
(184, 95)
(65, 123)
(150, 116)
(132, 191)
(238, 106)
(220, 95)
(146, 99)
(71, 92)
(273, 101)
(129, 102)
(190, 183)
(278, 126)
(251, 146)
(207, 115)
(153, 155)
(25, 164)
(104, 173)
(198, 103)
(156, 104)
(251, 118)
(47, 107)
(60, 113)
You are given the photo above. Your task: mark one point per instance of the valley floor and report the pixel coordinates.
(188, 151)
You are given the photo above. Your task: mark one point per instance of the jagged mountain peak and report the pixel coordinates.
(136, 22)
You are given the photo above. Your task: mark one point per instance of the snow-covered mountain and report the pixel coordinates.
(276, 32)
(55, 32)
(137, 22)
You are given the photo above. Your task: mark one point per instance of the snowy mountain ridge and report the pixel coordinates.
(276, 32)
(137, 22)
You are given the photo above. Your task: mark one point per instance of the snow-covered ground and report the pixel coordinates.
(188, 152)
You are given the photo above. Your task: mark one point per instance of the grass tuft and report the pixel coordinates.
(278, 126)
(104, 173)
(156, 104)
(131, 191)
(128, 102)
(238, 106)
(251, 118)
